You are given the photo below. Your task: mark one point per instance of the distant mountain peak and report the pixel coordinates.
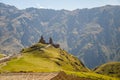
(2, 5)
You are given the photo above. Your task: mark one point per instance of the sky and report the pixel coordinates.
(60, 4)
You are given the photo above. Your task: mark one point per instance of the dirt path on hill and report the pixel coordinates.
(7, 58)
(27, 76)
(39, 76)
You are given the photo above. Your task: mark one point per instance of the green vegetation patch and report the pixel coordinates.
(43, 58)
(91, 75)
(111, 69)
(29, 63)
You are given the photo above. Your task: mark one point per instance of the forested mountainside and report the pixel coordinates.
(90, 34)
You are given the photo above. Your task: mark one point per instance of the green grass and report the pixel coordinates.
(111, 69)
(29, 63)
(91, 75)
(38, 58)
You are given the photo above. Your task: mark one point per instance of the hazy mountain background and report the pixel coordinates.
(93, 35)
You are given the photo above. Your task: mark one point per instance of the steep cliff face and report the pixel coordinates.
(90, 34)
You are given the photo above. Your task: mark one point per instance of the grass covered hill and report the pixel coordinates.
(43, 58)
(46, 58)
(111, 69)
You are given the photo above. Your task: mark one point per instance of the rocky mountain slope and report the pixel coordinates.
(90, 34)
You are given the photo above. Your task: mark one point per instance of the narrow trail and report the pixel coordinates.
(4, 59)
(28, 76)
(7, 58)
(39, 76)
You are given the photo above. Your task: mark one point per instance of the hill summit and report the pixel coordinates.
(43, 57)
(46, 61)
